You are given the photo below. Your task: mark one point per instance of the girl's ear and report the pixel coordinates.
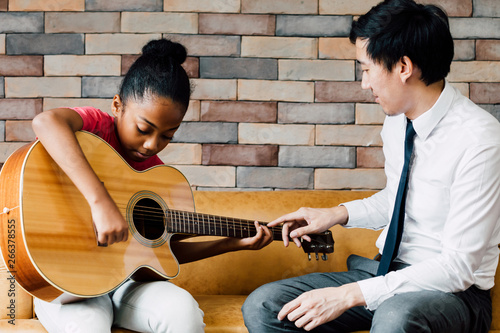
(117, 106)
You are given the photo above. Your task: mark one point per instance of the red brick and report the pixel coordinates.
(3, 5)
(20, 108)
(237, 24)
(245, 112)
(191, 65)
(460, 8)
(19, 131)
(372, 157)
(21, 65)
(255, 155)
(342, 92)
(485, 93)
(488, 50)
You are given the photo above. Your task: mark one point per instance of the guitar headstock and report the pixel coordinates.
(320, 243)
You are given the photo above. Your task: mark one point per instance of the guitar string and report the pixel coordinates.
(7, 210)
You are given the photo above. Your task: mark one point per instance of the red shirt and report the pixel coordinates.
(103, 125)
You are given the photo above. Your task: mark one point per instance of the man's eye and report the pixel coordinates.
(140, 131)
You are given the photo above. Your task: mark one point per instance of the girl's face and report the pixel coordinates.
(145, 127)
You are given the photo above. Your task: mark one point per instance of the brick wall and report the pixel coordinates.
(277, 102)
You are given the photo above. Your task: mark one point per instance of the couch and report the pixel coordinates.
(221, 284)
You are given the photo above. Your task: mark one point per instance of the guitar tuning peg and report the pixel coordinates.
(317, 258)
(324, 257)
(309, 256)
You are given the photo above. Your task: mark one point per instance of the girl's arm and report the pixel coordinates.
(56, 131)
(191, 251)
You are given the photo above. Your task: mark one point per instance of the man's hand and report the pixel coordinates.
(319, 306)
(309, 221)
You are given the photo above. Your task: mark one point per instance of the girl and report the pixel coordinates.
(153, 99)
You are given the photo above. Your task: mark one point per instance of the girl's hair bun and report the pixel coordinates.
(164, 48)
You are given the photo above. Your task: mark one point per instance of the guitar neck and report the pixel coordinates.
(212, 225)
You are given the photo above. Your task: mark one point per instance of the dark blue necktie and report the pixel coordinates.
(395, 231)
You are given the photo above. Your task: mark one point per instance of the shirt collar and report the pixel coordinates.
(425, 123)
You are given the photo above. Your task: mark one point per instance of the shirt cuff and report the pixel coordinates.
(356, 210)
(374, 291)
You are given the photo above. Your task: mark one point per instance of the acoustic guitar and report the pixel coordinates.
(47, 237)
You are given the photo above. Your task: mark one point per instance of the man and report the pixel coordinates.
(439, 247)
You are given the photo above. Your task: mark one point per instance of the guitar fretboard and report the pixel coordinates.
(211, 225)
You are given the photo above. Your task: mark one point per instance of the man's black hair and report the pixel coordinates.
(398, 28)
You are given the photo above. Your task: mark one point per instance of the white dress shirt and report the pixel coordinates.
(451, 230)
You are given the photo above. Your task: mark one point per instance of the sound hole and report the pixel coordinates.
(149, 219)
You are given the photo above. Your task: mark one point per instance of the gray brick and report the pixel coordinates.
(2, 87)
(45, 44)
(101, 86)
(470, 28)
(486, 8)
(494, 109)
(317, 157)
(289, 178)
(314, 26)
(207, 132)
(2, 131)
(241, 68)
(124, 5)
(21, 22)
(316, 113)
(464, 50)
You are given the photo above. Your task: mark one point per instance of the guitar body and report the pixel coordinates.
(48, 240)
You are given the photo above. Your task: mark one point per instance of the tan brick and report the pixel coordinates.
(452, 7)
(475, 71)
(338, 179)
(181, 153)
(328, 70)
(261, 90)
(342, 92)
(348, 135)
(237, 24)
(217, 6)
(216, 176)
(147, 22)
(103, 104)
(42, 87)
(488, 50)
(7, 148)
(243, 112)
(47, 5)
(2, 43)
(280, 6)
(213, 89)
(212, 46)
(485, 93)
(21, 65)
(345, 7)
(463, 87)
(193, 111)
(82, 22)
(19, 108)
(19, 131)
(336, 48)
(256, 155)
(369, 114)
(82, 65)
(276, 134)
(117, 43)
(372, 157)
(279, 47)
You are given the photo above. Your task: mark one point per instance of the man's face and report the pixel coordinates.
(386, 86)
